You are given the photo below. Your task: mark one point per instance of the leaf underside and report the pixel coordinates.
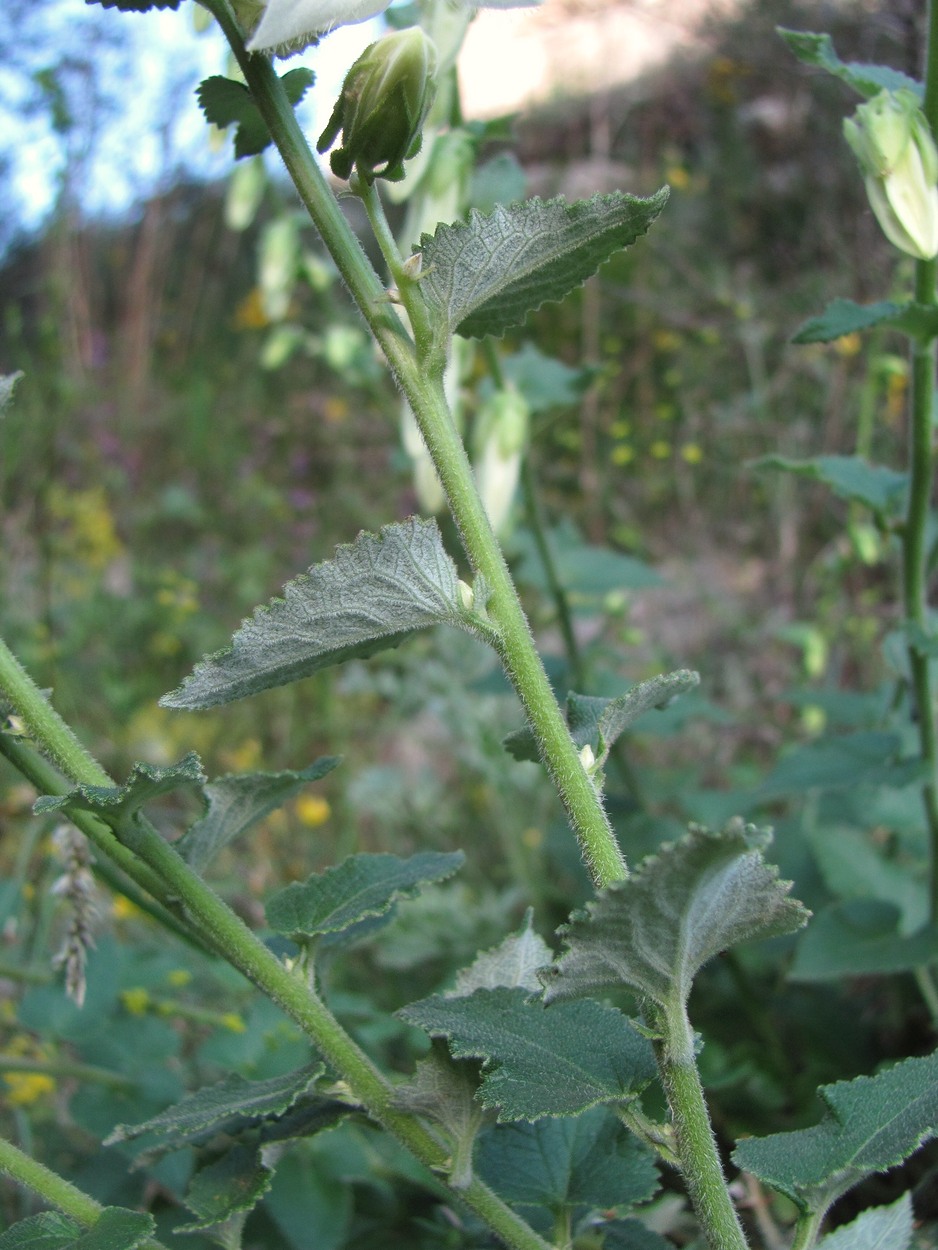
(369, 597)
(487, 274)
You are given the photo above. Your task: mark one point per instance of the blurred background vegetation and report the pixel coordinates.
(173, 456)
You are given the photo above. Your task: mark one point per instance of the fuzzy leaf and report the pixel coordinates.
(374, 593)
(360, 887)
(487, 274)
(538, 1061)
(843, 316)
(590, 1161)
(679, 908)
(225, 101)
(118, 802)
(868, 80)
(443, 1090)
(851, 477)
(513, 963)
(873, 1123)
(599, 722)
(878, 1228)
(237, 802)
(49, 1230)
(858, 938)
(229, 1106)
(231, 1185)
(116, 1229)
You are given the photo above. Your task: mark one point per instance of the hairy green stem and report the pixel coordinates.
(914, 531)
(693, 1134)
(420, 378)
(807, 1229)
(55, 1190)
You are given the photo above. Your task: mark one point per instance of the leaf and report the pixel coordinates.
(868, 757)
(232, 1184)
(590, 1161)
(679, 908)
(485, 275)
(878, 1228)
(545, 382)
(115, 1229)
(584, 570)
(360, 887)
(868, 80)
(8, 383)
(844, 316)
(228, 1106)
(237, 802)
(136, 6)
(853, 866)
(633, 1235)
(46, 1231)
(851, 477)
(860, 937)
(225, 101)
(115, 803)
(374, 593)
(540, 1061)
(599, 722)
(513, 963)
(443, 1090)
(873, 1123)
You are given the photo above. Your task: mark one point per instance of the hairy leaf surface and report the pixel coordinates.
(231, 1185)
(513, 963)
(115, 1229)
(540, 1061)
(879, 1228)
(146, 783)
(49, 1230)
(487, 274)
(360, 887)
(873, 1123)
(237, 802)
(370, 596)
(680, 907)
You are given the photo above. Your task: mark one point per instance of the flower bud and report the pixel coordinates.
(899, 161)
(384, 102)
(501, 435)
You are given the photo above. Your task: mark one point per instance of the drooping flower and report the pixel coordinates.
(893, 143)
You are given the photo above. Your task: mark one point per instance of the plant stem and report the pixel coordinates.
(57, 1191)
(914, 532)
(693, 1134)
(807, 1229)
(420, 378)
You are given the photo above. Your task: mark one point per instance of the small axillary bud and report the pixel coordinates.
(382, 107)
(466, 595)
(893, 143)
(587, 758)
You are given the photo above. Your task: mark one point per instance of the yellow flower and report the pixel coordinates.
(233, 1022)
(27, 1087)
(848, 344)
(179, 977)
(123, 909)
(660, 449)
(692, 453)
(136, 1000)
(623, 454)
(312, 810)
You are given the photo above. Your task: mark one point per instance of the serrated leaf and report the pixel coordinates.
(229, 1106)
(370, 596)
(655, 930)
(851, 477)
(233, 1184)
(443, 1090)
(361, 886)
(485, 275)
(513, 963)
(590, 1161)
(860, 937)
(145, 783)
(869, 757)
(116, 1229)
(237, 802)
(8, 383)
(878, 1228)
(49, 1230)
(600, 722)
(540, 1061)
(873, 1123)
(225, 101)
(844, 316)
(868, 80)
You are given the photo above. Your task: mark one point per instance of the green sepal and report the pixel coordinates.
(539, 1061)
(370, 596)
(866, 80)
(655, 930)
(361, 887)
(879, 488)
(843, 316)
(484, 275)
(225, 102)
(872, 1123)
(236, 802)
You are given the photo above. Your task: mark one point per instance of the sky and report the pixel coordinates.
(130, 82)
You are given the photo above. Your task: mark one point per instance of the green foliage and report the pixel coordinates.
(880, 1228)
(843, 316)
(868, 80)
(486, 275)
(226, 102)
